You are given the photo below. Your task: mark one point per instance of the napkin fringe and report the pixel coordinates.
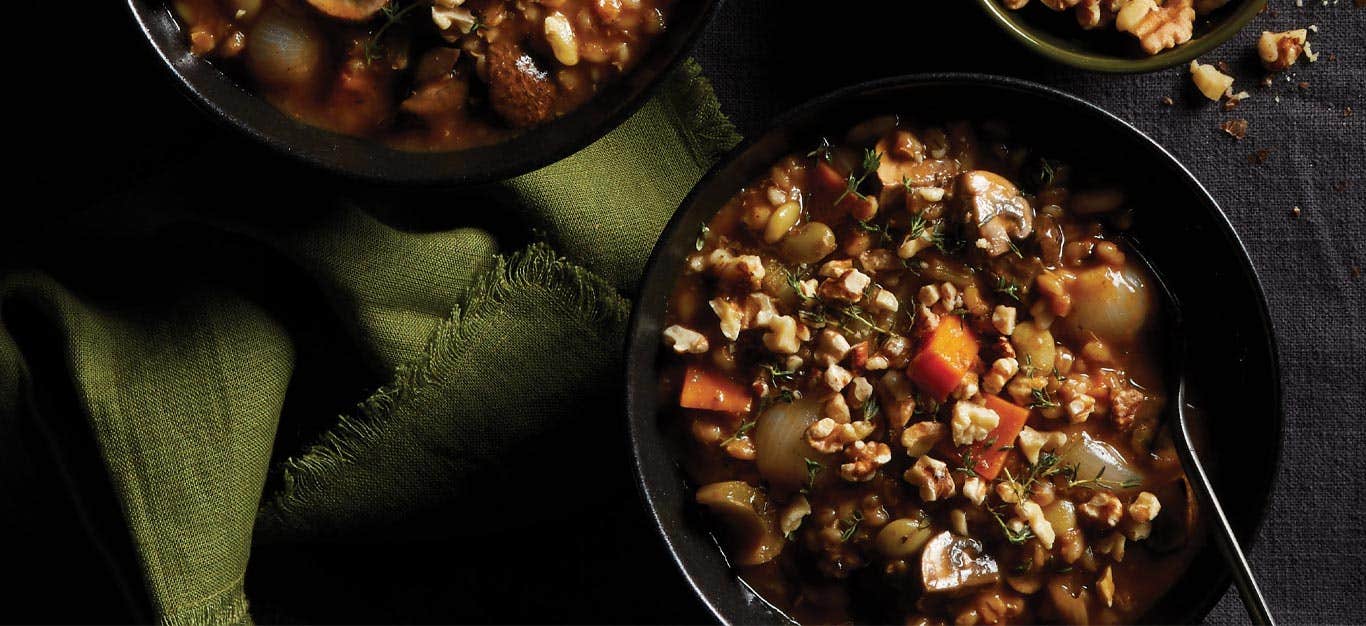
(536, 267)
(706, 130)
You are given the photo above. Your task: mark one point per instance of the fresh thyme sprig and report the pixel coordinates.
(1042, 400)
(851, 525)
(1013, 536)
(812, 469)
(1009, 288)
(871, 161)
(393, 14)
(744, 428)
(823, 151)
(1070, 473)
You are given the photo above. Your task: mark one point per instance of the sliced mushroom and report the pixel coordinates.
(750, 527)
(995, 206)
(349, 10)
(520, 92)
(953, 564)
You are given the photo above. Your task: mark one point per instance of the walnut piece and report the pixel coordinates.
(740, 271)
(1145, 507)
(1210, 81)
(831, 347)
(975, 489)
(685, 340)
(1104, 508)
(932, 476)
(1170, 25)
(781, 337)
(1124, 404)
(1032, 513)
(1278, 51)
(1003, 319)
(972, 422)
(1031, 442)
(921, 437)
(865, 459)
(1002, 370)
(848, 286)
(828, 436)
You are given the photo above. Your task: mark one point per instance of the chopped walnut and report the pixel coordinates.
(1031, 442)
(972, 422)
(807, 288)
(921, 437)
(781, 337)
(897, 398)
(932, 476)
(975, 489)
(730, 314)
(1124, 404)
(967, 387)
(835, 268)
(848, 286)
(928, 295)
(1002, 370)
(836, 409)
(1103, 508)
(1210, 81)
(1014, 4)
(1167, 26)
(1030, 511)
(884, 300)
(1092, 14)
(836, 378)
(1003, 319)
(866, 458)
(684, 340)
(831, 347)
(744, 271)
(1278, 51)
(858, 392)
(1236, 128)
(759, 310)
(793, 514)
(1078, 403)
(828, 436)
(1145, 507)
(1106, 587)
(878, 260)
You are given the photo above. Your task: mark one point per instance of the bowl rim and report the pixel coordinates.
(368, 161)
(651, 488)
(1047, 46)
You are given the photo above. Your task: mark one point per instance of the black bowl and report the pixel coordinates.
(1179, 227)
(221, 96)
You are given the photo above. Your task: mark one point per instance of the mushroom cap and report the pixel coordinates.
(994, 205)
(951, 564)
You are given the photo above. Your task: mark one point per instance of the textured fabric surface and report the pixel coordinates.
(211, 338)
(1310, 267)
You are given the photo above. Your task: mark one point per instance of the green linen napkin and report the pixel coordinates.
(249, 370)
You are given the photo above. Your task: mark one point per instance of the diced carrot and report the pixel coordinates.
(710, 390)
(948, 354)
(990, 458)
(987, 456)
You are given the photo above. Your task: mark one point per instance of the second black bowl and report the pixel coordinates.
(222, 97)
(1179, 226)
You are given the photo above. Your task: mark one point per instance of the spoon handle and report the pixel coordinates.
(1253, 601)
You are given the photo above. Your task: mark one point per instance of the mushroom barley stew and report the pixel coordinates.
(914, 385)
(424, 75)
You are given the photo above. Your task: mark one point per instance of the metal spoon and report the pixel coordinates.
(1253, 601)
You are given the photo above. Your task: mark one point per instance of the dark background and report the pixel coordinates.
(108, 119)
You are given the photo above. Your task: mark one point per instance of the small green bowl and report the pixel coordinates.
(1081, 48)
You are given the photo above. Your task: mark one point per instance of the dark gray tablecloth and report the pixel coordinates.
(761, 56)
(112, 119)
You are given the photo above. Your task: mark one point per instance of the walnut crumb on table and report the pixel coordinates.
(1235, 128)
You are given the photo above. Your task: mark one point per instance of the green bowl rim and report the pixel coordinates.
(1047, 46)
